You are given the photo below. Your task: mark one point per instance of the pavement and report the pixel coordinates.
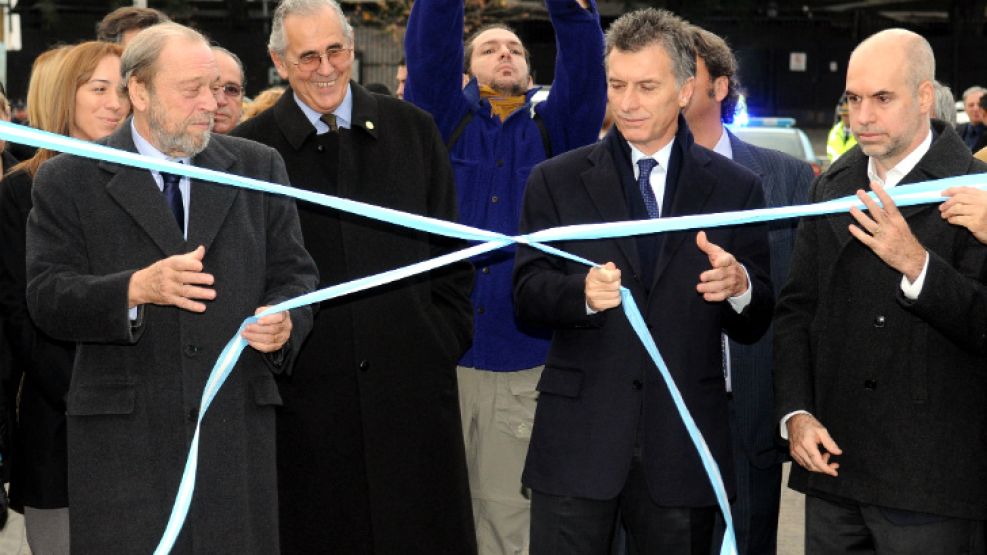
(791, 520)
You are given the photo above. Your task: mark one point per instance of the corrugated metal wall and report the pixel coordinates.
(379, 50)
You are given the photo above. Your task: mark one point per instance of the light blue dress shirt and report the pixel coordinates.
(344, 113)
(147, 149)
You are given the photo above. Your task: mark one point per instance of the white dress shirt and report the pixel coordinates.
(660, 172)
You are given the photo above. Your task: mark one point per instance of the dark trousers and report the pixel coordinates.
(845, 527)
(575, 526)
(755, 509)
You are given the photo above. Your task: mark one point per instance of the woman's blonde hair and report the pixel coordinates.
(55, 77)
(263, 101)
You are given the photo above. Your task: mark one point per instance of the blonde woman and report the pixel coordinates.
(74, 92)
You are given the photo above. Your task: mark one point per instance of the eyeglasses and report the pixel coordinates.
(312, 60)
(232, 90)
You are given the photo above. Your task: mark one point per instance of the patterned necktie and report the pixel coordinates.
(173, 194)
(645, 165)
(330, 120)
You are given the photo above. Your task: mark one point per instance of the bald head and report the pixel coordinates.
(900, 46)
(890, 94)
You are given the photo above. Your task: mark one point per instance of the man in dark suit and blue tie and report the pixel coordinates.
(785, 181)
(607, 437)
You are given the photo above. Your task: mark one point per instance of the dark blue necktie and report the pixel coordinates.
(173, 194)
(645, 165)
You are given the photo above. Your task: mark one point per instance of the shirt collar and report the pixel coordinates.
(145, 148)
(344, 112)
(662, 156)
(722, 146)
(902, 168)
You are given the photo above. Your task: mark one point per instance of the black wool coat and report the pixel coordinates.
(371, 456)
(899, 384)
(41, 365)
(136, 386)
(601, 394)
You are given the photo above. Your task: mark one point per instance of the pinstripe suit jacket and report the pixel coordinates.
(786, 181)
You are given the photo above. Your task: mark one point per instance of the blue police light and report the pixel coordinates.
(771, 122)
(742, 118)
(740, 115)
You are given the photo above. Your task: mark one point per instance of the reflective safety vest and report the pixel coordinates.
(839, 141)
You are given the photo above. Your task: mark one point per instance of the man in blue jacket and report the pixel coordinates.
(495, 135)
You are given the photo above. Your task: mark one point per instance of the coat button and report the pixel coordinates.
(480, 310)
(485, 269)
(500, 163)
(870, 385)
(495, 199)
(193, 414)
(191, 350)
(320, 148)
(364, 365)
(636, 384)
(879, 321)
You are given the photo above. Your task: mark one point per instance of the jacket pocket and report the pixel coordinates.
(567, 382)
(100, 400)
(515, 402)
(265, 391)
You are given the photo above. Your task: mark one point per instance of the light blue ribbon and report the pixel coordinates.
(903, 195)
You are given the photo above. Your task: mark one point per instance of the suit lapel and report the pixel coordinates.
(692, 189)
(210, 202)
(602, 183)
(137, 194)
(362, 133)
(939, 162)
(849, 179)
(743, 155)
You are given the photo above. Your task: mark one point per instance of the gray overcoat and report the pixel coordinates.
(136, 387)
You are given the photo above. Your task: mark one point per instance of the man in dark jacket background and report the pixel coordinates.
(749, 383)
(370, 456)
(495, 135)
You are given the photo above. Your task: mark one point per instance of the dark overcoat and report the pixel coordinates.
(899, 384)
(136, 387)
(43, 367)
(601, 395)
(371, 456)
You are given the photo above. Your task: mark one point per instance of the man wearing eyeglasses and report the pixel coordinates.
(229, 101)
(370, 455)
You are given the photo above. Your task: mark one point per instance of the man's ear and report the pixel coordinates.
(927, 97)
(140, 97)
(279, 64)
(721, 86)
(685, 93)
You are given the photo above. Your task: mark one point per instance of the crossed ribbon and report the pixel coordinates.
(903, 195)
